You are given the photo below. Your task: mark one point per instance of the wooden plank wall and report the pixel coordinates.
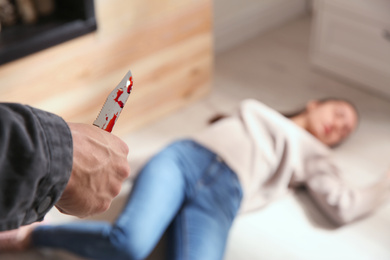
(167, 44)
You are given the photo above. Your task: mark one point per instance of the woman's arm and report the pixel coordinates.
(341, 202)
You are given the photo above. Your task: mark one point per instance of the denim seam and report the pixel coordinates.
(237, 187)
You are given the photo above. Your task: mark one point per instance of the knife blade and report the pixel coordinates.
(114, 104)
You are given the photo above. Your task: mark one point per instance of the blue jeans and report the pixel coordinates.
(184, 187)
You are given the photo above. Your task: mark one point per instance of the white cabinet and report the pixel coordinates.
(351, 39)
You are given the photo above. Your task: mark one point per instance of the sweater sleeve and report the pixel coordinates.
(338, 200)
(35, 163)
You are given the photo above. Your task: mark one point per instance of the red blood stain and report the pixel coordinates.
(130, 87)
(111, 124)
(118, 94)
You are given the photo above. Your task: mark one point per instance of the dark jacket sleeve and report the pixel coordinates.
(35, 163)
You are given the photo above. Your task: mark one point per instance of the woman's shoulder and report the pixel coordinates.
(264, 114)
(251, 102)
(280, 125)
(253, 106)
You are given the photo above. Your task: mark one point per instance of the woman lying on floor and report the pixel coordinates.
(194, 188)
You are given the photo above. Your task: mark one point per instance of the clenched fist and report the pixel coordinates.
(99, 168)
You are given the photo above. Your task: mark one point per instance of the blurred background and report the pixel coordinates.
(191, 59)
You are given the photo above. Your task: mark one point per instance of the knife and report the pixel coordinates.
(114, 104)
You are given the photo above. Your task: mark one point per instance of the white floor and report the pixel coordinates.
(275, 69)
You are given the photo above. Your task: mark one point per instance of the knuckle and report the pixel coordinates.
(124, 171)
(116, 190)
(104, 206)
(123, 147)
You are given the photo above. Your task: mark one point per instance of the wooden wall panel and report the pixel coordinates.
(166, 44)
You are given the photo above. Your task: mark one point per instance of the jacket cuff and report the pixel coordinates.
(60, 151)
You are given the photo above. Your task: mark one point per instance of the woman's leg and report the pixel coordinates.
(201, 228)
(156, 197)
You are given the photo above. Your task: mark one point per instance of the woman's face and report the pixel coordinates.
(331, 121)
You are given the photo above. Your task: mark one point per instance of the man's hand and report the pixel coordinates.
(99, 168)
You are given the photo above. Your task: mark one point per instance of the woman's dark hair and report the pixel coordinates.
(216, 118)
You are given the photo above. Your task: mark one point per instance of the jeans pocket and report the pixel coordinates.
(212, 172)
(221, 187)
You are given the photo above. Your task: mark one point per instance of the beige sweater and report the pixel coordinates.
(269, 153)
